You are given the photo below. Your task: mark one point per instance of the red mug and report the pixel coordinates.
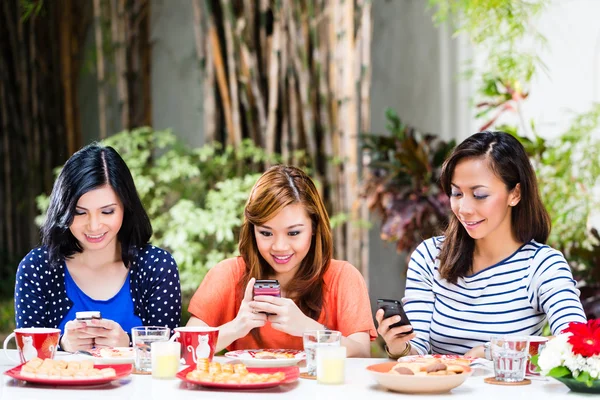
(34, 342)
(534, 348)
(197, 342)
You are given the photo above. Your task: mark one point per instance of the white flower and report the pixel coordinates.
(555, 353)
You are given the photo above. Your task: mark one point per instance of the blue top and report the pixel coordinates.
(518, 295)
(42, 299)
(118, 308)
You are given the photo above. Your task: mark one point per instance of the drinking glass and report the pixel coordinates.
(510, 355)
(142, 338)
(165, 359)
(314, 339)
(331, 365)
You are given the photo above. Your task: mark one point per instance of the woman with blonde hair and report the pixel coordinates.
(285, 236)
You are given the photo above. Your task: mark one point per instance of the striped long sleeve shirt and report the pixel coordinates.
(515, 296)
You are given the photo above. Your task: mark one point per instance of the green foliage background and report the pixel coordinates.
(194, 197)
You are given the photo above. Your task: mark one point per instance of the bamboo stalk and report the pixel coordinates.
(146, 59)
(100, 68)
(294, 111)
(366, 27)
(246, 96)
(300, 61)
(203, 53)
(350, 133)
(262, 35)
(35, 109)
(221, 76)
(254, 76)
(273, 89)
(209, 104)
(118, 38)
(338, 181)
(235, 137)
(25, 160)
(7, 200)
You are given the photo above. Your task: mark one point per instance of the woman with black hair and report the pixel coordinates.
(95, 256)
(491, 273)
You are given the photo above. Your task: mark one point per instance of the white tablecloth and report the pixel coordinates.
(359, 385)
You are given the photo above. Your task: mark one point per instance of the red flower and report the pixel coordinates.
(585, 338)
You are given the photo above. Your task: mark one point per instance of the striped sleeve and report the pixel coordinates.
(419, 298)
(552, 289)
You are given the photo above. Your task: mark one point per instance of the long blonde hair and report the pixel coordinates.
(278, 187)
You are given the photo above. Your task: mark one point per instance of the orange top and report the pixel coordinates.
(346, 306)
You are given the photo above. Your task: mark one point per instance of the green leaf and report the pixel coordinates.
(559, 372)
(586, 378)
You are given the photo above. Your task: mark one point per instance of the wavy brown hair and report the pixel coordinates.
(509, 162)
(279, 187)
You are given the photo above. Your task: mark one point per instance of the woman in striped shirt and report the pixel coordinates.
(491, 272)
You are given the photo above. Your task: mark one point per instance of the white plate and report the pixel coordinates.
(248, 357)
(122, 355)
(415, 384)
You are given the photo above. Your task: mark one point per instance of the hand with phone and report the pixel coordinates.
(107, 333)
(283, 314)
(394, 326)
(90, 330)
(247, 317)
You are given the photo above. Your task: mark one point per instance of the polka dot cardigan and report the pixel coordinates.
(41, 298)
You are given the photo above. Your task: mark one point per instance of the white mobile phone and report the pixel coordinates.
(87, 315)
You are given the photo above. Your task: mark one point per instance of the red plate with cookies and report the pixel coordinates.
(107, 373)
(273, 377)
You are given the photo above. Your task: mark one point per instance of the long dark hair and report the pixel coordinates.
(278, 187)
(90, 168)
(509, 162)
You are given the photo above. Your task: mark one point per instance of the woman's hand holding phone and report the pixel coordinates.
(284, 315)
(107, 333)
(395, 329)
(247, 317)
(75, 337)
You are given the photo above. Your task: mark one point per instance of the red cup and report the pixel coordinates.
(34, 342)
(197, 342)
(534, 348)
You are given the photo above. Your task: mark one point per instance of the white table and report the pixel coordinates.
(359, 385)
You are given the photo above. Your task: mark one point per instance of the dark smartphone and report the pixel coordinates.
(391, 308)
(267, 287)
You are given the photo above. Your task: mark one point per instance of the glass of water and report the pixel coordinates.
(510, 355)
(142, 338)
(314, 339)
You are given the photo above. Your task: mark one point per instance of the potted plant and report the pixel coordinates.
(402, 182)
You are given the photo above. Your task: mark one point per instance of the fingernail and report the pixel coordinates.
(397, 318)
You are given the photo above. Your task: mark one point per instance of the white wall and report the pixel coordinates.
(415, 67)
(572, 57)
(176, 86)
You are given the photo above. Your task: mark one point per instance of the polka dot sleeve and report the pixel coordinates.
(163, 294)
(31, 290)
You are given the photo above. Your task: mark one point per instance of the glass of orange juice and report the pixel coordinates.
(165, 359)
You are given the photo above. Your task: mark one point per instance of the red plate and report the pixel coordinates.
(122, 370)
(291, 375)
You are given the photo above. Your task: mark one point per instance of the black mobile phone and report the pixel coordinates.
(267, 287)
(87, 315)
(391, 308)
